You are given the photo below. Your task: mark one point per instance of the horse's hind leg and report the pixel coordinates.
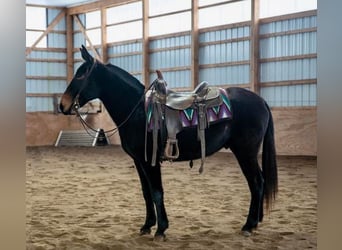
(250, 168)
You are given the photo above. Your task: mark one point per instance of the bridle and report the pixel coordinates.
(87, 127)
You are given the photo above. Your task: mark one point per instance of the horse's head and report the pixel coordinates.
(82, 87)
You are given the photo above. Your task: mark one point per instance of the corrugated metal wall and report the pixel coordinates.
(78, 40)
(128, 56)
(224, 55)
(172, 55)
(46, 69)
(289, 61)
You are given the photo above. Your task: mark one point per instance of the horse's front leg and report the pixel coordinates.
(150, 220)
(156, 186)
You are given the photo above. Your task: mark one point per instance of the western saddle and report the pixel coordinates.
(166, 105)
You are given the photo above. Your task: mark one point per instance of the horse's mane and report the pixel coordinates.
(126, 77)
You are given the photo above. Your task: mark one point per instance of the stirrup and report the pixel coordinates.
(171, 149)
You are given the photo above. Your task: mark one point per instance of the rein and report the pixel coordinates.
(87, 127)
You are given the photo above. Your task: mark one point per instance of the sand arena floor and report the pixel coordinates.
(90, 198)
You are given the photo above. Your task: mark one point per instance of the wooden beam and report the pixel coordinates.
(170, 48)
(58, 50)
(220, 3)
(289, 16)
(96, 6)
(232, 40)
(289, 83)
(146, 44)
(287, 33)
(44, 94)
(70, 47)
(104, 44)
(48, 29)
(52, 78)
(173, 69)
(194, 44)
(225, 26)
(288, 58)
(48, 60)
(254, 54)
(224, 64)
(157, 37)
(84, 32)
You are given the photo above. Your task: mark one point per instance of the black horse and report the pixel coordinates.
(123, 96)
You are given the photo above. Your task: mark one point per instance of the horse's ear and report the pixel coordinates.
(160, 75)
(85, 54)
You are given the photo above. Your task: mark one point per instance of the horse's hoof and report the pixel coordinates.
(159, 237)
(145, 231)
(246, 233)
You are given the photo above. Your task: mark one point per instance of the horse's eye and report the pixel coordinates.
(82, 75)
(79, 77)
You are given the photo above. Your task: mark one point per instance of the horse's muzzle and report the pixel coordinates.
(65, 111)
(66, 104)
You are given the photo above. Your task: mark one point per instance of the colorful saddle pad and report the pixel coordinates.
(189, 117)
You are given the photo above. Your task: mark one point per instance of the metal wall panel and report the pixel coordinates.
(286, 44)
(82, 18)
(44, 66)
(45, 69)
(170, 42)
(289, 25)
(169, 53)
(127, 56)
(238, 74)
(129, 63)
(52, 14)
(56, 40)
(217, 47)
(125, 48)
(175, 79)
(224, 52)
(36, 54)
(224, 34)
(290, 96)
(79, 39)
(34, 104)
(170, 58)
(45, 86)
(299, 69)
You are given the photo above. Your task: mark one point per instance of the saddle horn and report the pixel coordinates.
(160, 75)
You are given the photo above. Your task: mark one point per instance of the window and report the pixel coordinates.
(93, 27)
(170, 23)
(224, 14)
(163, 23)
(270, 8)
(124, 22)
(157, 7)
(36, 23)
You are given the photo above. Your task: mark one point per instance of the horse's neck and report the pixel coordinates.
(120, 100)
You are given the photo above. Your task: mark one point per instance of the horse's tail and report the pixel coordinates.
(269, 164)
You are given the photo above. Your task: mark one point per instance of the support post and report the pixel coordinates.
(145, 45)
(194, 44)
(70, 47)
(104, 35)
(254, 54)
